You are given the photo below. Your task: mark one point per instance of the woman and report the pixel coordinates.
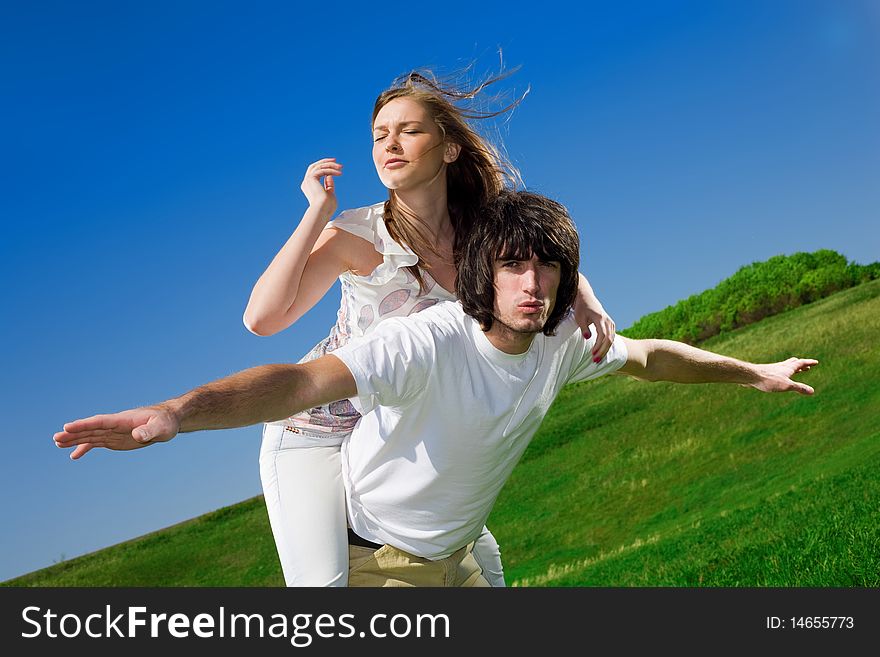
(392, 258)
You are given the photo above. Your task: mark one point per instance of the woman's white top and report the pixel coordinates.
(390, 290)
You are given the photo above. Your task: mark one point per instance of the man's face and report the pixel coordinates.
(525, 293)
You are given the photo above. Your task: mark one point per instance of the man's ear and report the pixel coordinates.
(451, 153)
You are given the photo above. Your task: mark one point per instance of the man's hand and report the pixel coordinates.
(127, 430)
(776, 377)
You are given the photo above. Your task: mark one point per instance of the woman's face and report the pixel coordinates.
(408, 147)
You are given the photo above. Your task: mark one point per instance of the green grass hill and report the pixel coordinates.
(637, 484)
(756, 291)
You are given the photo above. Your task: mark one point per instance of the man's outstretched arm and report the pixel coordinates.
(258, 394)
(666, 360)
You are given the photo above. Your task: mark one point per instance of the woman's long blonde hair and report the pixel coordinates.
(476, 177)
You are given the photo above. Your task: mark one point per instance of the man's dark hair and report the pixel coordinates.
(515, 226)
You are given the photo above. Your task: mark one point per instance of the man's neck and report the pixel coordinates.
(505, 339)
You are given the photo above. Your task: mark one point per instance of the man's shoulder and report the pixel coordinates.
(443, 311)
(568, 344)
(567, 333)
(441, 319)
(406, 348)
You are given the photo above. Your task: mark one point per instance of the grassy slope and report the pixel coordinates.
(636, 484)
(229, 547)
(631, 483)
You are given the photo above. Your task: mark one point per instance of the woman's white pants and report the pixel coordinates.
(305, 497)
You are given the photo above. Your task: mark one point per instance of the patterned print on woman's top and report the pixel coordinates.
(390, 290)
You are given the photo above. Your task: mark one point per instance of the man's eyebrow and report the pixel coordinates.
(512, 253)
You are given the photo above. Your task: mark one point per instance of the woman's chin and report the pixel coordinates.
(393, 182)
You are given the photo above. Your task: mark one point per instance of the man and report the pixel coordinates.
(450, 397)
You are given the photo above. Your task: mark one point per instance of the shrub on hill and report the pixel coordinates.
(755, 291)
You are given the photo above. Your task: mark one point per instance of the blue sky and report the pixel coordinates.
(151, 169)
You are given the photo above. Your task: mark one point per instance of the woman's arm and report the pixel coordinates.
(588, 310)
(308, 264)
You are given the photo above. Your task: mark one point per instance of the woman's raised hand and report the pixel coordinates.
(605, 331)
(318, 186)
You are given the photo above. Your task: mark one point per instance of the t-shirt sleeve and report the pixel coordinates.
(585, 369)
(389, 364)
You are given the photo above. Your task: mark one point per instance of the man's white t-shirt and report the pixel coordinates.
(446, 417)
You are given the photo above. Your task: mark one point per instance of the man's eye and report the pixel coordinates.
(552, 264)
(379, 137)
(411, 132)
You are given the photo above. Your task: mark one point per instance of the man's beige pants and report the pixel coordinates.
(389, 566)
